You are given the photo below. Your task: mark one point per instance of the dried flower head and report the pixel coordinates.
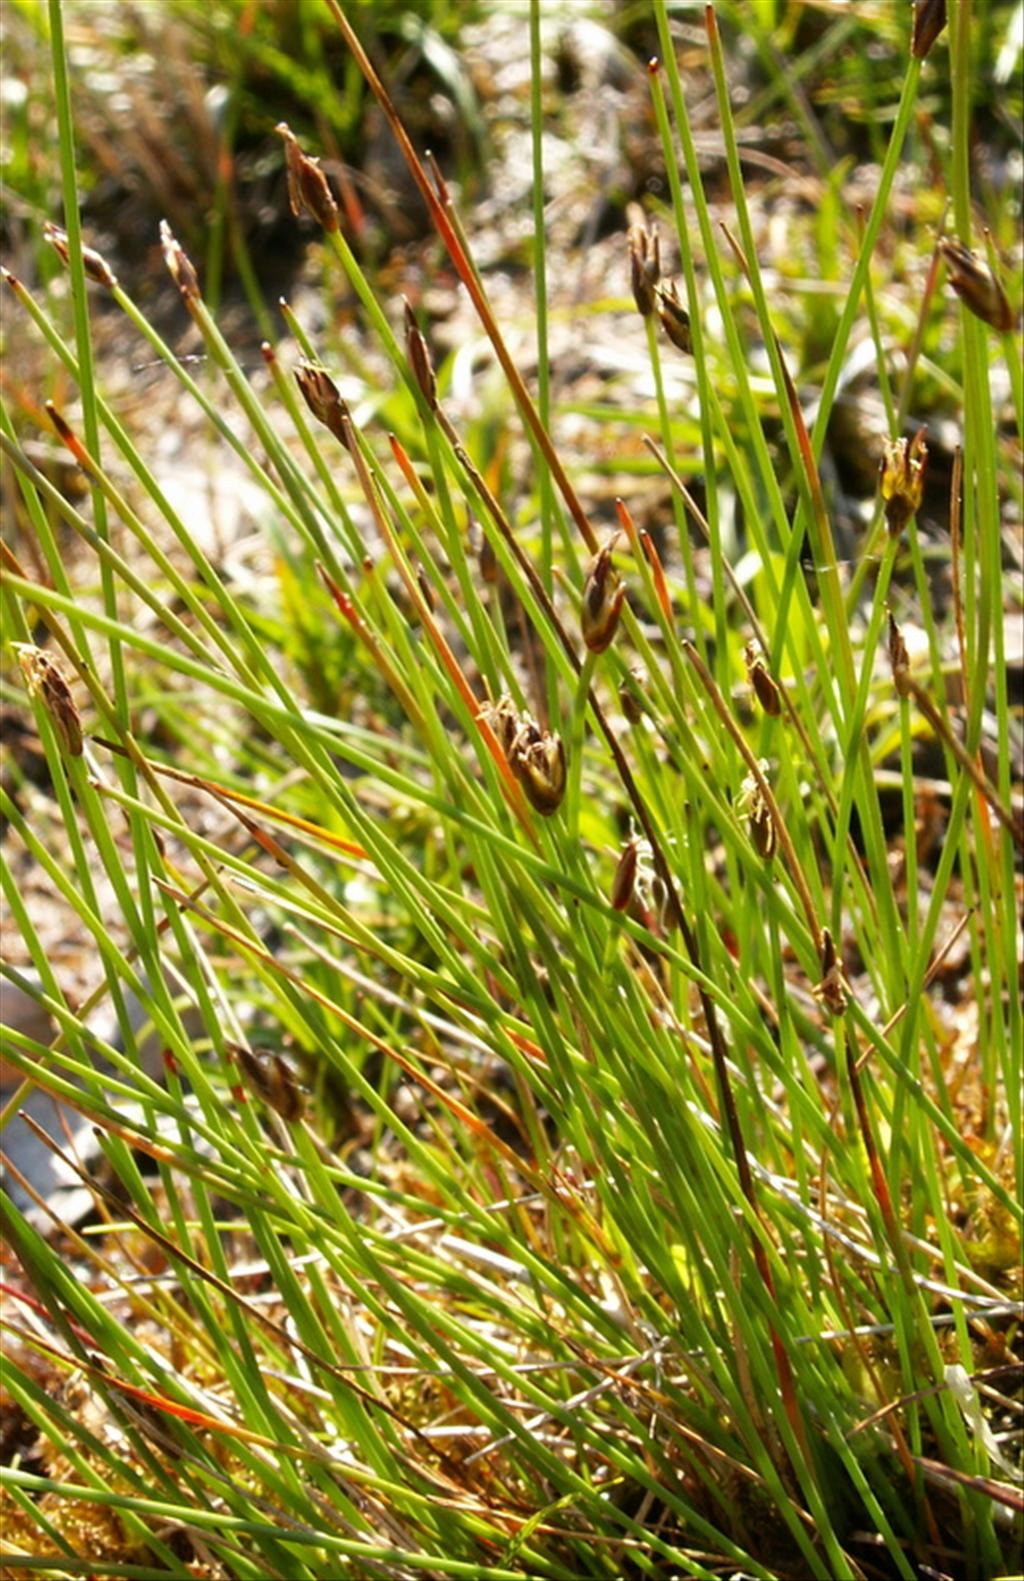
(901, 479)
(180, 266)
(644, 267)
(307, 185)
(675, 320)
(929, 20)
(537, 759)
(765, 689)
(418, 353)
(603, 594)
(95, 267)
(976, 285)
(45, 680)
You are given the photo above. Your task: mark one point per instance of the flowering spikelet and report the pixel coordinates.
(901, 479)
(624, 881)
(272, 1080)
(180, 266)
(644, 267)
(765, 689)
(503, 718)
(929, 20)
(632, 705)
(976, 285)
(95, 267)
(418, 353)
(320, 394)
(45, 680)
(603, 593)
(754, 807)
(833, 992)
(675, 320)
(537, 759)
(899, 659)
(307, 185)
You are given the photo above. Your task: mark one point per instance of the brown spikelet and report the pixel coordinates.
(901, 475)
(418, 353)
(180, 266)
(765, 689)
(45, 680)
(94, 265)
(320, 394)
(603, 594)
(929, 20)
(976, 285)
(308, 190)
(624, 881)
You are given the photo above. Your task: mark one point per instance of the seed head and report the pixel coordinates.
(95, 267)
(603, 594)
(976, 285)
(307, 185)
(901, 479)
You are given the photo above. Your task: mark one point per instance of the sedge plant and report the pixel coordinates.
(557, 1164)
